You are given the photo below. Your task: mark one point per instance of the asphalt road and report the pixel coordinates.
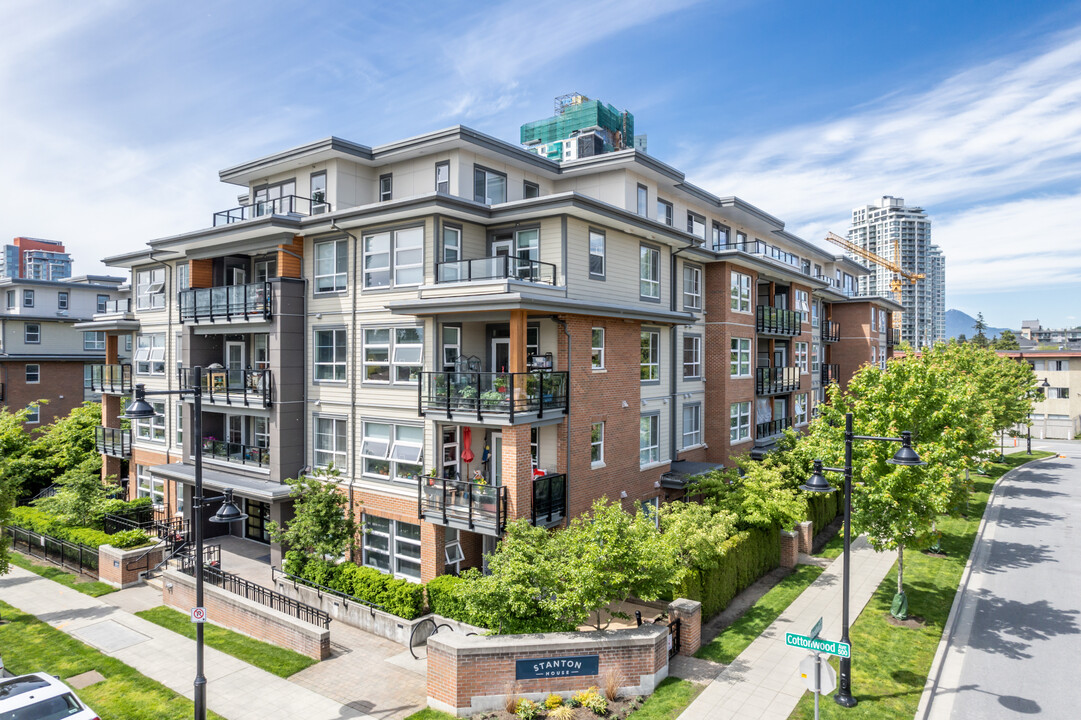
(1016, 648)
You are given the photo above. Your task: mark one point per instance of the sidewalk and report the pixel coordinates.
(763, 683)
(235, 690)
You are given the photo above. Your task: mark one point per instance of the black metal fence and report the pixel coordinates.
(831, 373)
(74, 556)
(777, 321)
(476, 393)
(673, 637)
(259, 594)
(831, 331)
(776, 380)
(771, 428)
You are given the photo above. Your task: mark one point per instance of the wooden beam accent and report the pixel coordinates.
(201, 273)
(517, 341)
(290, 263)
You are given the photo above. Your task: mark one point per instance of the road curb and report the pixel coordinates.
(934, 675)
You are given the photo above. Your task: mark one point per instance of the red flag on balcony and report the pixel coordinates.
(467, 444)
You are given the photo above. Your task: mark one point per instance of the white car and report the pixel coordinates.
(38, 696)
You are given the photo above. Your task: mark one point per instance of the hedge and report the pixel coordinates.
(397, 597)
(822, 508)
(40, 521)
(446, 598)
(746, 556)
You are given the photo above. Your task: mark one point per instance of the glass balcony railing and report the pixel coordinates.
(226, 303)
(549, 498)
(502, 267)
(466, 505)
(236, 452)
(477, 394)
(285, 205)
(247, 387)
(776, 380)
(777, 321)
(831, 331)
(110, 379)
(114, 307)
(114, 442)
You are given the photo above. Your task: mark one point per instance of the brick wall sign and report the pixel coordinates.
(551, 667)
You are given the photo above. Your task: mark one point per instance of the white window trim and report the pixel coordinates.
(696, 362)
(654, 450)
(655, 350)
(151, 429)
(603, 255)
(594, 348)
(37, 374)
(736, 417)
(336, 452)
(737, 293)
(697, 407)
(388, 453)
(393, 538)
(150, 293)
(801, 352)
(392, 363)
(741, 358)
(695, 297)
(26, 334)
(152, 354)
(599, 444)
(653, 283)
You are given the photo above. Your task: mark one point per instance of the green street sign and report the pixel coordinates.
(830, 647)
(815, 630)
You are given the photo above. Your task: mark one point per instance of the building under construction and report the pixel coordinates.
(579, 128)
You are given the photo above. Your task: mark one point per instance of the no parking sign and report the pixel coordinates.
(198, 614)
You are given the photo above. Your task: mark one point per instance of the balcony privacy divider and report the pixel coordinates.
(549, 497)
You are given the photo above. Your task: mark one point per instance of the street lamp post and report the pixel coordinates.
(818, 483)
(140, 409)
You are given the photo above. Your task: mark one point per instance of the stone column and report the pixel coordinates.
(789, 549)
(806, 536)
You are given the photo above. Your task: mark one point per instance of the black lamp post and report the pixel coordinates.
(140, 409)
(818, 483)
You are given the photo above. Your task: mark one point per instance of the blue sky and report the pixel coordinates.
(118, 115)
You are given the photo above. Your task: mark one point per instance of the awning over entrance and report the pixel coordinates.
(683, 470)
(247, 487)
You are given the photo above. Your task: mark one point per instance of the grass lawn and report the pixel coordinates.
(890, 664)
(670, 699)
(431, 714)
(29, 645)
(93, 588)
(834, 546)
(273, 659)
(735, 638)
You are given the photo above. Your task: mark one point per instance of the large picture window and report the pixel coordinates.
(649, 272)
(330, 443)
(150, 354)
(394, 258)
(651, 356)
(331, 265)
(151, 487)
(150, 289)
(94, 340)
(392, 546)
(392, 452)
(393, 355)
(330, 355)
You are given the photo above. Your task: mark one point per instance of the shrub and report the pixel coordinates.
(446, 597)
(40, 521)
(563, 712)
(595, 702)
(612, 679)
(527, 709)
(397, 597)
(553, 701)
(745, 557)
(129, 539)
(822, 508)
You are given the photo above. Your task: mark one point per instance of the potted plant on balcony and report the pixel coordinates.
(492, 398)
(467, 396)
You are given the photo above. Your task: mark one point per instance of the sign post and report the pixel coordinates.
(830, 647)
(198, 615)
(818, 676)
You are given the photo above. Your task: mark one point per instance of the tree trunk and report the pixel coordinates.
(900, 568)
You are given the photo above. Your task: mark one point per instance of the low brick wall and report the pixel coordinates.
(473, 673)
(689, 614)
(789, 549)
(806, 536)
(113, 564)
(368, 619)
(245, 616)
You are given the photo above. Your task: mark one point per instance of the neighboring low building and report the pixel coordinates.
(1035, 336)
(1057, 415)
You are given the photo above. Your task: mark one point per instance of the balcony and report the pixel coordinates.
(236, 453)
(109, 379)
(114, 442)
(228, 303)
(1, 392)
(893, 337)
(462, 505)
(114, 307)
(777, 321)
(502, 267)
(285, 205)
(776, 380)
(249, 388)
(549, 499)
(831, 331)
(830, 373)
(773, 428)
(500, 397)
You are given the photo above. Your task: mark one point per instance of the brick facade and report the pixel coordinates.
(121, 568)
(61, 384)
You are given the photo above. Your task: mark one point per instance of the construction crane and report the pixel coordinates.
(898, 272)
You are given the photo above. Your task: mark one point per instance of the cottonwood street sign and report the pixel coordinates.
(831, 647)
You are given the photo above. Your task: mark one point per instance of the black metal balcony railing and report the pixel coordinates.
(236, 452)
(227, 302)
(831, 331)
(549, 498)
(456, 503)
(502, 267)
(114, 442)
(112, 379)
(772, 428)
(114, 307)
(777, 321)
(831, 373)
(477, 393)
(250, 388)
(776, 380)
(285, 205)
(1, 392)
(893, 337)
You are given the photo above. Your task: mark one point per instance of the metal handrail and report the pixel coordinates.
(440, 500)
(771, 428)
(284, 205)
(831, 372)
(776, 380)
(114, 378)
(262, 595)
(474, 393)
(233, 387)
(777, 321)
(346, 597)
(497, 267)
(236, 452)
(831, 331)
(116, 307)
(226, 302)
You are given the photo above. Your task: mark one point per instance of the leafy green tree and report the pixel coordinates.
(1006, 341)
(695, 532)
(59, 447)
(980, 338)
(763, 496)
(321, 525)
(14, 440)
(962, 339)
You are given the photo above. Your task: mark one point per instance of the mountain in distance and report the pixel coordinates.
(961, 323)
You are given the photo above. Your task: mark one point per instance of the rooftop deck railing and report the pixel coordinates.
(285, 205)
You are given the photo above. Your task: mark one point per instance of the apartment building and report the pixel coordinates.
(1057, 414)
(472, 333)
(44, 355)
(1033, 334)
(35, 259)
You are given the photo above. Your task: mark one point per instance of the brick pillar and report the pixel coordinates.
(689, 613)
(290, 263)
(517, 470)
(789, 549)
(806, 536)
(432, 539)
(201, 273)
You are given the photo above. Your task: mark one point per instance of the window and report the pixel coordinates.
(179, 427)
(33, 374)
(649, 443)
(265, 269)
(94, 340)
(814, 313)
(452, 252)
(720, 236)
(740, 362)
(882, 321)
(408, 267)
(32, 333)
(392, 546)
(596, 253)
(696, 225)
(740, 425)
(442, 177)
(330, 443)
(596, 444)
(151, 487)
(153, 428)
(741, 292)
(801, 356)
(489, 186)
(799, 410)
(803, 305)
(664, 212)
(452, 550)
(598, 348)
(11, 300)
(62, 300)
(1058, 393)
(692, 357)
(530, 189)
(452, 347)
(392, 452)
(692, 425)
(643, 201)
(127, 342)
(393, 354)
(103, 302)
(150, 354)
(815, 357)
(150, 289)
(331, 265)
(183, 277)
(34, 414)
(318, 186)
(330, 354)
(649, 272)
(386, 186)
(741, 240)
(692, 287)
(650, 363)
(874, 354)
(28, 298)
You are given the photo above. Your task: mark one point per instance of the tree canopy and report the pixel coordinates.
(321, 524)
